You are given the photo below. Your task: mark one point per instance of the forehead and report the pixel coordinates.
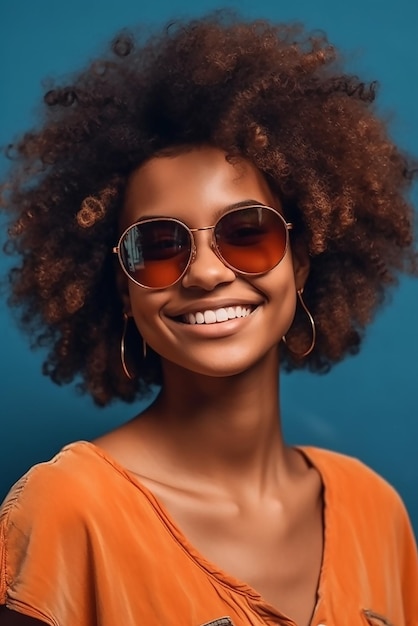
(192, 186)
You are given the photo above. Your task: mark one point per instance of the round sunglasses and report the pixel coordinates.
(156, 252)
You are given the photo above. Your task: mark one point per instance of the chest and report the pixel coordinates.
(276, 555)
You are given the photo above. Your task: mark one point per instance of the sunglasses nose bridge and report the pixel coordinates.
(193, 232)
(209, 239)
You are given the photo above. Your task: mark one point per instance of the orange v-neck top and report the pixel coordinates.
(84, 543)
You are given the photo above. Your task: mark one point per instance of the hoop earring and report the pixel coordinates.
(144, 348)
(122, 347)
(302, 355)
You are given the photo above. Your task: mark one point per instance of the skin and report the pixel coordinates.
(211, 448)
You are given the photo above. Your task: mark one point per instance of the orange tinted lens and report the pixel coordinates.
(156, 253)
(252, 240)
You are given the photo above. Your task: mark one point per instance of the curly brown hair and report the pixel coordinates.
(274, 94)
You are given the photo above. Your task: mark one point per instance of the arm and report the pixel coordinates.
(12, 618)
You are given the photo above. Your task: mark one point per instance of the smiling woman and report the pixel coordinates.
(197, 211)
(243, 260)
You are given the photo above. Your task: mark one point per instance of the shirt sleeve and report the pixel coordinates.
(44, 550)
(408, 557)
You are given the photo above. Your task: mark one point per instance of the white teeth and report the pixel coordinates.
(219, 315)
(210, 317)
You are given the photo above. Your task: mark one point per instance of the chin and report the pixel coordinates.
(225, 367)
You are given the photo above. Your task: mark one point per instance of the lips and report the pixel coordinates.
(214, 316)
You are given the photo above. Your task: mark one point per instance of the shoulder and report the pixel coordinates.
(360, 497)
(369, 535)
(70, 513)
(73, 487)
(352, 477)
(52, 480)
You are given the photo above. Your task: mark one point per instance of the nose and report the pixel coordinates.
(206, 270)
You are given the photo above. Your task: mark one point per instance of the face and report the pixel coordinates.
(197, 187)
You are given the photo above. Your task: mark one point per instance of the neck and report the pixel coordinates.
(224, 427)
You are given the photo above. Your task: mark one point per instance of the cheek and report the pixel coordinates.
(279, 283)
(146, 310)
(287, 309)
(279, 289)
(144, 306)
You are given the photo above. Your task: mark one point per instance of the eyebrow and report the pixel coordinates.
(217, 214)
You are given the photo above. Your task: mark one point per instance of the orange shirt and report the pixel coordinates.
(84, 543)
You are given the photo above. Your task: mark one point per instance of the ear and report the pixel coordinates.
(301, 263)
(122, 283)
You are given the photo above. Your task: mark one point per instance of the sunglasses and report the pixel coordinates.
(156, 252)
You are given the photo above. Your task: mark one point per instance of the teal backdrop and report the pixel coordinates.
(367, 406)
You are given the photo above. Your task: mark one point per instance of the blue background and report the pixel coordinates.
(366, 406)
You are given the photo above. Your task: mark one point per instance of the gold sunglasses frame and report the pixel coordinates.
(117, 249)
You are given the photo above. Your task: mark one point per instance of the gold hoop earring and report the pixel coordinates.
(122, 347)
(144, 348)
(302, 355)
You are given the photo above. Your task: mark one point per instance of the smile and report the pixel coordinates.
(214, 316)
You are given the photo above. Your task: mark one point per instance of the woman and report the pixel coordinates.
(195, 213)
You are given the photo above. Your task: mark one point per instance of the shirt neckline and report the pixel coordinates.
(226, 579)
